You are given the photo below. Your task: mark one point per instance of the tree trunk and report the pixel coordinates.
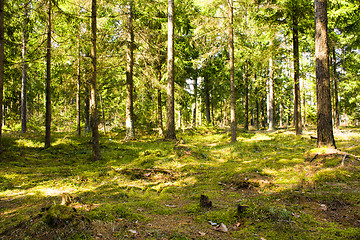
(87, 107)
(94, 121)
(195, 104)
(246, 126)
(24, 70)
(2, 58)
(103, 114)
(78, 94)
(297, 102)
(160, 121)
(159, 103)
(325, 135)
(130, 130)
(170, 103)
(257, 114)
(207, 98)
(232, 74)
(270, 98)
(336, 94)
(48, 83)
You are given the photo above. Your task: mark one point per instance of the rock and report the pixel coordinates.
(205, 201)
(241, 209)
(221, 228)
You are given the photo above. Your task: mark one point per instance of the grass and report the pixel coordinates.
(150, 189)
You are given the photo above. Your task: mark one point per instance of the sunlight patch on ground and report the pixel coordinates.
(28, 143)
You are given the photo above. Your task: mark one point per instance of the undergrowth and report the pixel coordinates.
(150, 189)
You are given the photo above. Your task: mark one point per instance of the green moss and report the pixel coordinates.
(59, 215)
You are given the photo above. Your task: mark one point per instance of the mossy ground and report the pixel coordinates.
(150, 189)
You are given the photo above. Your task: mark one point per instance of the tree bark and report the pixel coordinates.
(170, 103)
(2, 58)
(325, 135)
(48, 83)
(195, 104)
(160, 121)
(297, 102)
(78, 94)
(130, 130)
(24, 70)
(94, 121)
(336, 93)
(246, 126)
(207, 98)
(270, 98)
(87, 106)
(232, 74)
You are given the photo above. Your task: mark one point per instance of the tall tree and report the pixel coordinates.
(207, 97)
(336, 91)
(270, 96)
(297, 102)
(195, 103)
(325, 135)
(94, 121)
(170, 103)
(246, 85)
(232, 73)
(1, 67)
(24, 69)
(130, 130)
(78, 94)
(48, 82)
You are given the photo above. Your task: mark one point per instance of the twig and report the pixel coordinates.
(313, 158)
(342, 162)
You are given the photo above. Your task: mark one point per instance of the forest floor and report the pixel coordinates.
(267, 185)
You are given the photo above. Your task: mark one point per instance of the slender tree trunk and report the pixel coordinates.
(257, 114)
(160, 121)
(94, 121)
(195, 104)
(212, 113)
(232, 74)
(87, 107)
(130, 130)
(304, 104)
(24, 70)
(179, 118)
(336, 93)
(103, 114)
(281, 116)
(2, 58)
(170, 103)
(159, 104)
(263, 108)
(325, 135)
(207, 98)
(297, 102)
(246, 126)
(270, 98)
(48, 83)
(78, 94)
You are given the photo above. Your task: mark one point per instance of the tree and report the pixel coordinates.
(48, 82)
(270, 96)
(325, 136)
(170, 103)
(297, 102)
(24, 69)
(94, 121)
(130, 130)
(232, 74)
(2, 58)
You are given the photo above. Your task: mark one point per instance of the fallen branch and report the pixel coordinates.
(313, 158)
(343, 160)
